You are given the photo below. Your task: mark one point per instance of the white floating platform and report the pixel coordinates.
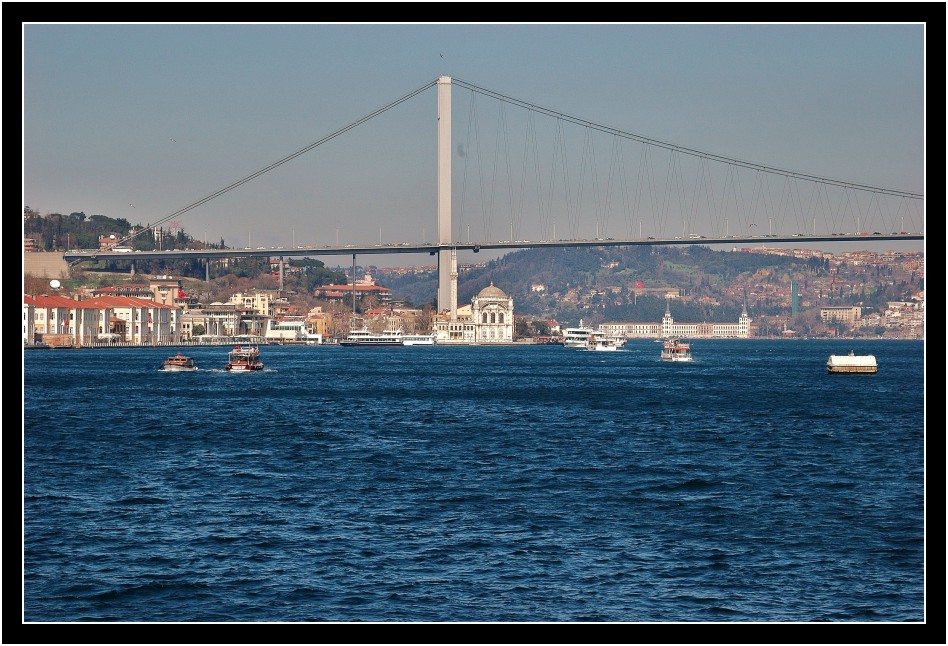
(852, 363)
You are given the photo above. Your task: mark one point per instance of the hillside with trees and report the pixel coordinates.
(598, 284)
(58, 232)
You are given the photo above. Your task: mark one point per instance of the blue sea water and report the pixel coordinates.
(476, 484)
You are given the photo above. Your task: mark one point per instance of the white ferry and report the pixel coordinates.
(365, 337)
(601, 342)
(418, 339)
(675, 350)
(577, 337)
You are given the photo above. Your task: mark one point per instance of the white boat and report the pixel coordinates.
(365, 337)
(675, 350)
(577, 337)
(600, 342)
(418, 339)
(852, 363)
(244, 358)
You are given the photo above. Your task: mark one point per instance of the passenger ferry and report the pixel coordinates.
(601, 342)
(577, 337)
(365, 337)
(675, 350)
(418, 339)
(244, 359)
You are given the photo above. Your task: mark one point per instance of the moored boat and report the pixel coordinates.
(418, 339)
(244, 359)
(676, 350)
(852, 364)
(365, 337)
(178, 363)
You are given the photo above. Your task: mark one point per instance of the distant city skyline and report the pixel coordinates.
(140, 121)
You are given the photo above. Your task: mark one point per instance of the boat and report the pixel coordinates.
(244, 358)
(418, 339)
(675, 350)
(577, 337)
(364, 337)
(600, 342)
(852, 364)
(178, 363)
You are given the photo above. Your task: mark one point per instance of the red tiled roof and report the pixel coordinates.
(98, 302)
(359, 288)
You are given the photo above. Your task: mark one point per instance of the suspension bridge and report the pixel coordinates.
(661, 193)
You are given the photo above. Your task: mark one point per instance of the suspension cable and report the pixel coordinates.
(282, 161)
(682, 149)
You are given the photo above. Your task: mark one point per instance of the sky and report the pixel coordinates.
(140, 121)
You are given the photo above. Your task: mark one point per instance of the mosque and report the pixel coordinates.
(489, 319)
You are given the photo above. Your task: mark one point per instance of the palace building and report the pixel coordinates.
(669, 328)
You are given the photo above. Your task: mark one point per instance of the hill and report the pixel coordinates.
(619, 283)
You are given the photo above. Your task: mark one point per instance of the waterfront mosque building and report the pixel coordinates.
(489, 319)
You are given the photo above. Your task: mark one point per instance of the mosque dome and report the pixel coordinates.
(492, 292)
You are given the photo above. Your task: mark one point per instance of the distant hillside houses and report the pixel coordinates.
(363, 288)
(669, 328)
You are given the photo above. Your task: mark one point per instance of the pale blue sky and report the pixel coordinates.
(139, 121)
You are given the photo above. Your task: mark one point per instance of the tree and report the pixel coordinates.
(541, 328)
(425, 320)
(36, 285)
(368, 302)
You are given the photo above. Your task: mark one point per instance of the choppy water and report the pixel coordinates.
(476, 484)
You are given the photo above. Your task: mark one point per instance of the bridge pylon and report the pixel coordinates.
(447, 275)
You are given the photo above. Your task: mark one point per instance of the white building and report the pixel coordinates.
(669, 328)
(739, 330)
(84, 322)
(29, 330)
(488, 319)
(261, 301)
(291, 330)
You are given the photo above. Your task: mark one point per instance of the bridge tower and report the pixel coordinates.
(447, 274)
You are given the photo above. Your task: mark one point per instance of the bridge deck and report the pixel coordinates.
(433, 248)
